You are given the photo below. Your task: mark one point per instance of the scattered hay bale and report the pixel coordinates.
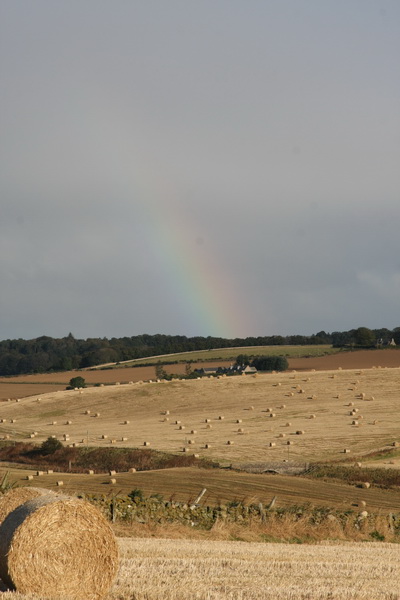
(132, 470)
(272, 415)
(104, 436)
(288, 424)
(39, 473)
(207, 420)
(90, 472)
(17, 496)
(395, 444)
(54, 423)
(209, 426)
(96, 414)
(268, 410)
(181, 427)
(229, 443)
(346, 450)
(177, 422)
(221, 418)
(272, 444)
(113, 481)
(193, 431)
(126, 422)
(113, 441)
(87, 412)
(146, 443)
(354, 422)
(207, 446)
(313, 416)
(60, 483)
(75, 556)
(124, 439)
(289, 443)
(238, 420)
(282, 435)
(300, 432)
(68, 423)
(49, 471)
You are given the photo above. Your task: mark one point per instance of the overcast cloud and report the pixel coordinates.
(208, 167)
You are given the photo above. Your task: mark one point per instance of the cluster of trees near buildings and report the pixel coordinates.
(46, 354)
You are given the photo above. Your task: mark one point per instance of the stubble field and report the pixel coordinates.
(275, 417)
(317, 404)
(153, 569)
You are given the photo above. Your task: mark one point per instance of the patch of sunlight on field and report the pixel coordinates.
(154, 569)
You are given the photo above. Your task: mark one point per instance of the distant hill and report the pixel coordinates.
(46, 354)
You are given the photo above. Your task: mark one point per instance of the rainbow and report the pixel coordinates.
(208, 295)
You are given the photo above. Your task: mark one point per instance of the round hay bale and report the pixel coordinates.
(59, 547)
(17, 496)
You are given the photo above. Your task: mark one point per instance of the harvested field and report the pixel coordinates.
(161, 569)
(156, 569)
(137, 412)
(41, 383)
(184, 485)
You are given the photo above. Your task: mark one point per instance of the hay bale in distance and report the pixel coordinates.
(75, 557)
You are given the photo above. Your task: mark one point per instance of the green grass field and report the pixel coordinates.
(232, 353)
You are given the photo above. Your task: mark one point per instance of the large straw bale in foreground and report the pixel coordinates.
(17, 496)
(58, 547)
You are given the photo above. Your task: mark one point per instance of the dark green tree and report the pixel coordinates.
(364, 337)
(76, 382)
(50, 446)
(270, 363)
(242, 360)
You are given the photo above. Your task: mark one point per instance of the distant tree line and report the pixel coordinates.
(46, 354)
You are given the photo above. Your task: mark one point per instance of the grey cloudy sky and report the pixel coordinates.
(212, 167)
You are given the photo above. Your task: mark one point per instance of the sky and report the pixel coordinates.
(217, 167)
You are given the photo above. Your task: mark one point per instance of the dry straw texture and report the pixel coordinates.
(58, 547)
(154, 569)
(17, 496)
